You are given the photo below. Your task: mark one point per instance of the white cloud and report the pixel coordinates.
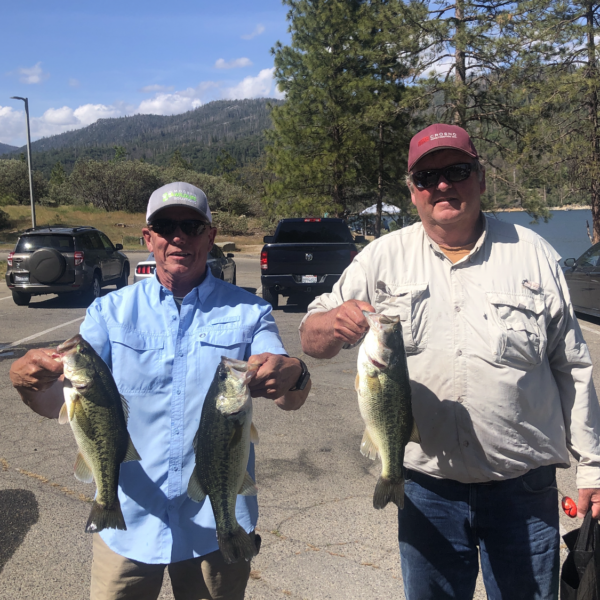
(65, 118)
(260, 86)
(233, 64)
(32, 75)
(148, 89)
(74, 82)
(257, 31)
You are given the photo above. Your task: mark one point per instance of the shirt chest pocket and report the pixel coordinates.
(411, 304)
(222, 339)
(138, 361)
(517, 329)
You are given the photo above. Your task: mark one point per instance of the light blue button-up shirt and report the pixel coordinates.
(163, 361)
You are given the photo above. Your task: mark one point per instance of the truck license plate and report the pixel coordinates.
(309, 279)
(21, 278)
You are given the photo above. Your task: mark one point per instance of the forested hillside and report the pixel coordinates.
(200, 135)
(5, 148)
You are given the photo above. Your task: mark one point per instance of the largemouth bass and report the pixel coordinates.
(222, 447)
(384, 400)
(98, 417)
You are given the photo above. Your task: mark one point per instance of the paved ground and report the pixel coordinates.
(321, 537)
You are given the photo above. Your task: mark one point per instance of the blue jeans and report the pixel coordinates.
(513, 522)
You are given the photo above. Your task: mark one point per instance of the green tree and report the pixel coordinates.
(562, 79)
(14, 183)
(177, 161)
(317, 142)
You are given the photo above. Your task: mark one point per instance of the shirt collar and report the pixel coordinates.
(199, 294)
(480, 241)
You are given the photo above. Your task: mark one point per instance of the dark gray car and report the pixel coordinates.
(583, 278)
(57, 260)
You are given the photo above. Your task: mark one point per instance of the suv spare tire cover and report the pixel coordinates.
(47, 265)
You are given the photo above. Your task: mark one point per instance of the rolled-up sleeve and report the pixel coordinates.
(572, 369)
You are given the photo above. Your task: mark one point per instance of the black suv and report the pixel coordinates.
(55, 260)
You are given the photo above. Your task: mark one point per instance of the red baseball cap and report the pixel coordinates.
(437, 137)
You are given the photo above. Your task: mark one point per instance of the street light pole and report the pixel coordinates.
(28, 157)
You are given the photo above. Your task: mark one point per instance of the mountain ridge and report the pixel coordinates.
(235, 126)
(7, 148)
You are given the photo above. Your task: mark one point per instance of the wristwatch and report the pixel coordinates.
(303, 379)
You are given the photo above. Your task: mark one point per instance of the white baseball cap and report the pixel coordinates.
(179, 194)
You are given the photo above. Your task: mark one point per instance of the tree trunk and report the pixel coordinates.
(460, 66)
(379, 184)
(593, 119)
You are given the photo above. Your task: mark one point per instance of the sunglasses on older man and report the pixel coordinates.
(191, 227)
(431, 177)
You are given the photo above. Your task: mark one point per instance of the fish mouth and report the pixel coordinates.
(70, 345)
(376, 363)
(240, 369)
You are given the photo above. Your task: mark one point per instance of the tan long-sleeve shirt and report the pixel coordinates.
(501, 376)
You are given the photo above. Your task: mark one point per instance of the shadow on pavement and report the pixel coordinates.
(587, 318)
(18, 512)
(71, 300)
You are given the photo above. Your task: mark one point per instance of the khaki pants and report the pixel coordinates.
(208, 577)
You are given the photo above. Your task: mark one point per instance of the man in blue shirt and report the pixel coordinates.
(163, 339)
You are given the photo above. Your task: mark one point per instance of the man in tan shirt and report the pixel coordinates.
(501, 381)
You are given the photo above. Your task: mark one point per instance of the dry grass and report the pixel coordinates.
(3, 267)
(121, 227)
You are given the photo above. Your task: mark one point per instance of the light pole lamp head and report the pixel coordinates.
(18, 98)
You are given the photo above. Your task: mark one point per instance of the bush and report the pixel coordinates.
(228, 224)
(4, 220)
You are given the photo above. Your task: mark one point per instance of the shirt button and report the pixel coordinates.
(465, 444)
(459, 352)
(457, 308)
(177, 468)
(202, 336)
(178, 392)
(177, 432)
(181, 354)
(174, 318)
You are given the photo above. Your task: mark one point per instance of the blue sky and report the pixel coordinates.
(79, 61)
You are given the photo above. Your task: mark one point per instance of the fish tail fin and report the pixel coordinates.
(105, 518)
(388, 491)
(236, 545)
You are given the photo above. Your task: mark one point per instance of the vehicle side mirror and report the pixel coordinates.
(359, 239)
(119, 246)
(569, 262)
(268, 239)
(230, 255)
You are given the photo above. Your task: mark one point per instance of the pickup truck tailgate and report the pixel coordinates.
(308, 259)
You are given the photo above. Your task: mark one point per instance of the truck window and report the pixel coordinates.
(312, 232)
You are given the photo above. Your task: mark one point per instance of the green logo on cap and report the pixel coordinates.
(179, 194)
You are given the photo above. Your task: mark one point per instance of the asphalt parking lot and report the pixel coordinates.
(321, 537)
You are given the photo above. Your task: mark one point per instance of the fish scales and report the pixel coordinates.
(222, 448)
(97, 414)
(384, 396)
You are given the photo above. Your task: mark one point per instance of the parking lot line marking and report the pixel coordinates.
(6, 298)
(37, 335)
(596, 331)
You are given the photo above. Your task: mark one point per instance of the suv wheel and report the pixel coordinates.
(96, 289)
(270, 296)
(124, 279)
(20, 298)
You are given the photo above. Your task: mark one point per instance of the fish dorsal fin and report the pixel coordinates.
(248, 487)
(195, 491)
(253, 434)
(82, 470)
(415, 436)
(368, 447)
(63, 417)
(132, 453)
(125, 406)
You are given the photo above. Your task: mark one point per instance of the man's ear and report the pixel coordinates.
(148, 239)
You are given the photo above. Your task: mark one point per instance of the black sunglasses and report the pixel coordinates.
(191, 227)
(431, 177)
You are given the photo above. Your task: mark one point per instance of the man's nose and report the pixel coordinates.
(443, 184)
